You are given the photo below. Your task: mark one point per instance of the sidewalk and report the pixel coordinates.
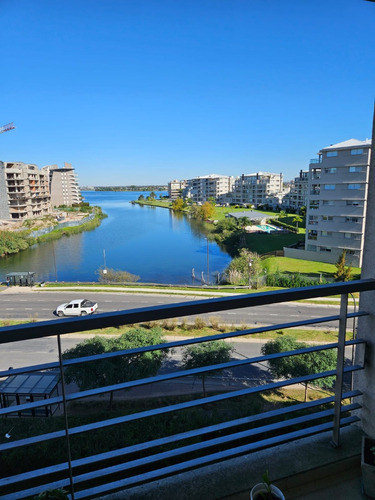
(150, 290)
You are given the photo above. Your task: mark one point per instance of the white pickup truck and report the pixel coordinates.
(78, 307)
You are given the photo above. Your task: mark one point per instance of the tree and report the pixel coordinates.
(209, 353)
(243, 222)
(243, 268)
(297, 219)
(342, 273)
(302, 364)
(178, 205)
(116, 276)
(108, 371)
(282, 214)
(152, 195)
(141, 197)
(208, 210)
(302, 211)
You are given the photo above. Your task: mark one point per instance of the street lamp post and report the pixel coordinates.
(208, 264)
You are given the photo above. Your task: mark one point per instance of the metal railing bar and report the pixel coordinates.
(177, 343)
(171, 408)
(164, 377)
(169, 345)
(215, 457)
(118, 318)
(183, 450)
(172, 439)
(167, 377)
(151, 459)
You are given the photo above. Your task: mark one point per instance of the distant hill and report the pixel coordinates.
(124, 188)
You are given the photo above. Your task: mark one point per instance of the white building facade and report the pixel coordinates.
(336, 209)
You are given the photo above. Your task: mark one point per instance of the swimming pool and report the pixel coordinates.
(267, 228)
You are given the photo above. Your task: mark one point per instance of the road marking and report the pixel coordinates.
(273, 314)
(28, 308)
(108, 301)
(230, 313)
(9, 308)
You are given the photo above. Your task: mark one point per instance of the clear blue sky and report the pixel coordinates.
(145, 91)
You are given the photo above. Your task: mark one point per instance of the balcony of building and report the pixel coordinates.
(221, 447)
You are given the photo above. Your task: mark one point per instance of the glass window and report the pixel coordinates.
(328, 202)
(331, 153)
(327, 217)
(354, 186)
(356, 152)
(326, 233)
(348, 236)
(330, 186)
(330, 170)
(355, 169)
(325, 249)
(354, 203)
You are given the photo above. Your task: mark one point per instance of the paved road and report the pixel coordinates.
(29, 304)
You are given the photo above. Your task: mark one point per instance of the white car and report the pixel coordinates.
(78, 307)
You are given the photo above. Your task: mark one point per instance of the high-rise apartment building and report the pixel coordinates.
(298, 194)
(257, 189)
(175, 189)
(337, 202)
(24, 191)
(205, 187)
(63, 185)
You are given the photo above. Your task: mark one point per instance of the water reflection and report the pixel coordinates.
(157, 244)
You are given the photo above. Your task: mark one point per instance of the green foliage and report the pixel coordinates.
(297, 219)
(116, 276)
(141, 197)
(108, 371)
(56, 494)
(178, 205)
(208, 353)
(12, 242)
(301, 364)
(239, 272)
(294, 280)
(342, 273)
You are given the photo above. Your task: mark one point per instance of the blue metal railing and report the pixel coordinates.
(125, 466)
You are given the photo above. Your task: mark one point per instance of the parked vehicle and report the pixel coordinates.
(78, 307)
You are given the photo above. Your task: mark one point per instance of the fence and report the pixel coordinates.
(88, 472)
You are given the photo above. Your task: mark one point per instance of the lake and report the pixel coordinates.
(154, 243)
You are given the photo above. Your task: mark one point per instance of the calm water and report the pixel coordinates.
(154, 243)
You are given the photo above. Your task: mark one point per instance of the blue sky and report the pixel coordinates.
(145, 91)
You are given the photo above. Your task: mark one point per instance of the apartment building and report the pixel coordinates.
(258, 189)
(24, 191)
(336, 210)
(175, 189)
(63, 185)
(205, 187)
(298, 194)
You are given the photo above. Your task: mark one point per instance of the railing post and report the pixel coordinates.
(340, 370)
(65, 418)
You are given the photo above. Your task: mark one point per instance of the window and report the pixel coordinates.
(356, 169)
(351, 219)
(327, 217)
(330, 170)
(330, 186)
(328, 203)
(325, 249)
(356, 152)
(353, 203)
(311, 248)
(331, 153)
(354, 186)
(348, 236)
(326, 233)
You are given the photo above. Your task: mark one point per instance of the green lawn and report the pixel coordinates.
(221, 212)
(264, 243)
(288, 265)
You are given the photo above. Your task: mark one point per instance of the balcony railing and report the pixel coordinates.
(88, 474)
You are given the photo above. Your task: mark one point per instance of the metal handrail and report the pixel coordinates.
(78, 480)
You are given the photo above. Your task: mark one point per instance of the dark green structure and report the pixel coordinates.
(23, 278)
